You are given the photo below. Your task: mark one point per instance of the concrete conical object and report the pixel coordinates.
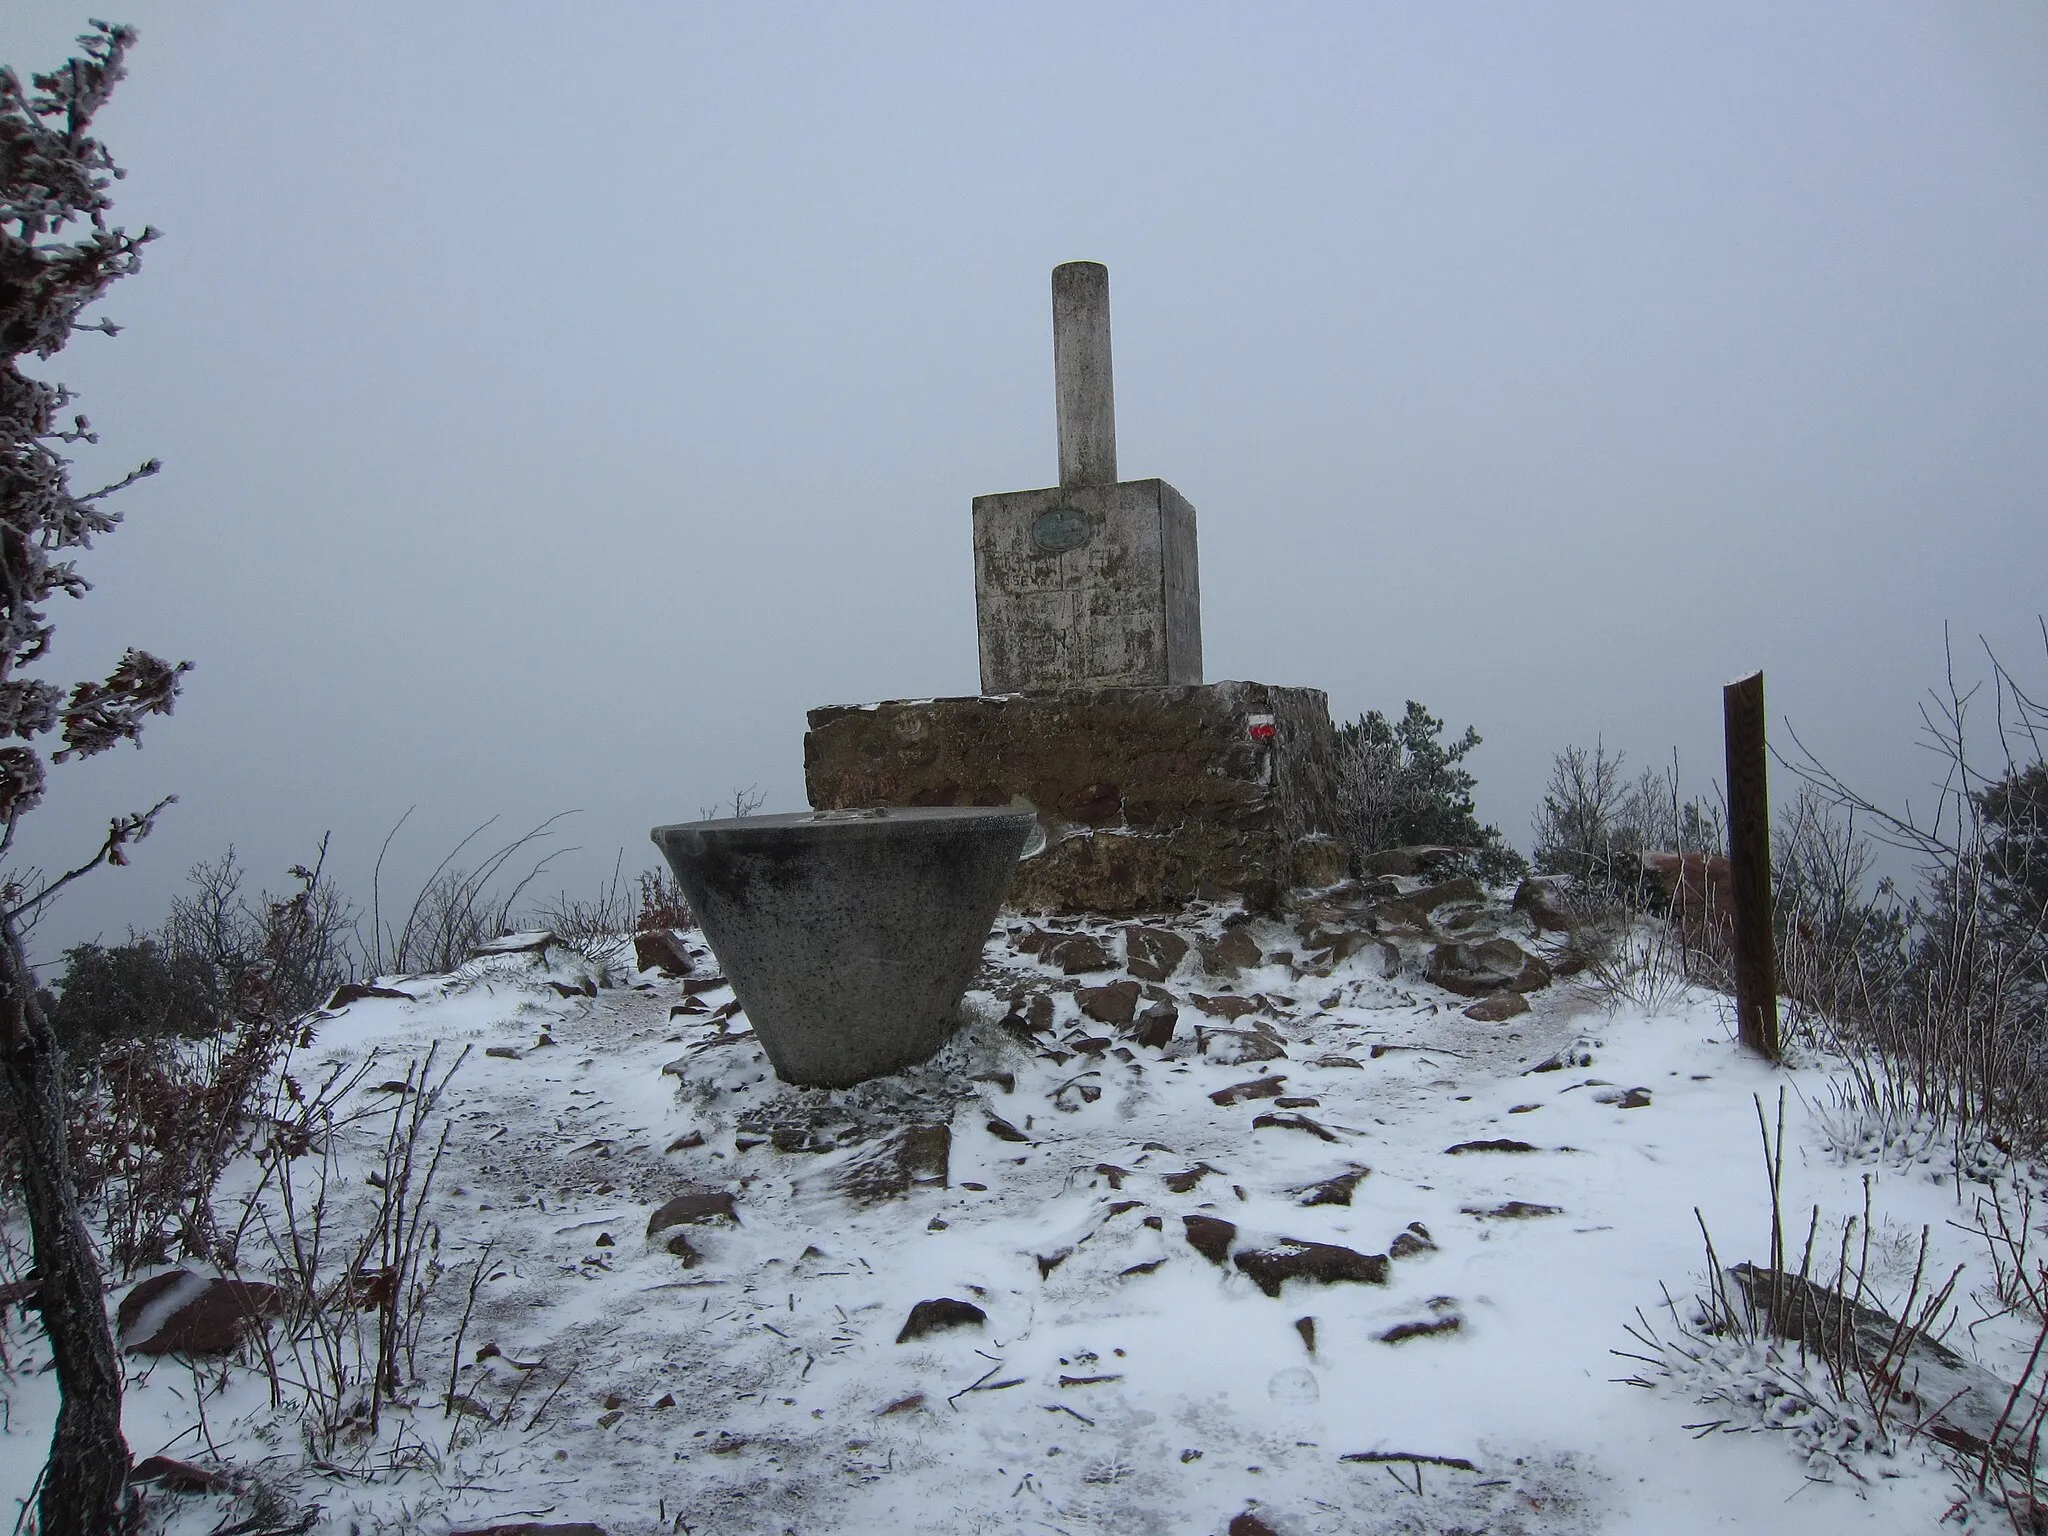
(848, 936)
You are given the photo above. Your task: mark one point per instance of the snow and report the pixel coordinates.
(1122, 1381)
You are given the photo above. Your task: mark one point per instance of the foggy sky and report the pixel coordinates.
(557, 400)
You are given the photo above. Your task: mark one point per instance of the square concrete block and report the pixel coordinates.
(1087, 586)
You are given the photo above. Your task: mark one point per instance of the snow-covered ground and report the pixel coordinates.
(1121, 1381)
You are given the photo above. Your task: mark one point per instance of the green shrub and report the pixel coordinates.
(1399, 784)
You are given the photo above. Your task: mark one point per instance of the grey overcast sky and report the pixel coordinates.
(556, 400)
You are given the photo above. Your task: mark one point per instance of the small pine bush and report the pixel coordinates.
(1399, 784)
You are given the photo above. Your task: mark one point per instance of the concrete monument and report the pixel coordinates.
(1152, 787)
(1093, 582)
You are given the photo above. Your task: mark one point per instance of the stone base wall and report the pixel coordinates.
(1150, 797)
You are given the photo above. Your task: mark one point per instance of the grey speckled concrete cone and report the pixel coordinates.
(849, 936)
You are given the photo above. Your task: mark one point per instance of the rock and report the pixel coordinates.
(1624, 1098)
(1257, 1088)
(505, 1052)
(1541, 899)
(1249, 1524)
(180, 1476)
(1156, 1024)
(355, 991)
(1498, 1006)
(1333, 1191)
(1412, 908)
(940, 1313)
(534, 941)
(1153, 954)
(1293, 1123)
(532, 1528)
(1446, 1321)
(1077, 954)
(1180, 1183)
(1473, 970)
(1002, 1130)
(1700, 889)
(661, 951)
(1382, 958)
(1237, 950)
(1211, 1237)
(1116, 1003)
(1573, 1055)
(1411, 1240)
(1512, 1210)
(1292, 1258)
(1499, 1144)
(185, 1313)
(694, 1207)
(914, 1156)
(1306, 1327)
(1418, 859)
(1960, 1403)
(1225, 1007)
(1235, 1047)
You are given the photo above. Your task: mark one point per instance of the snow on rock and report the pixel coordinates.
(1093, 1268)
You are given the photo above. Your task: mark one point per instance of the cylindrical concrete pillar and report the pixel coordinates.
(1081, 374)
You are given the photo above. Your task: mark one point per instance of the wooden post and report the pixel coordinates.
(1749, 865)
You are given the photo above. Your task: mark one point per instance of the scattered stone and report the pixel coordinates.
(940, 1313)
(1116, 1177)
(1232, 1008)
(1336, 1190)
(1089, 1045)
(1237, 950)
(1499, 1144)
(1416, 859)
(535, 941)
(1400, 1332)
(1247, 1523)
(685, 1142)
(1496, 1007)
(1180, 1183)
(1512, 1210)
(1473, 970)
(1236, 1047)
(1115, 1003)
(1620, 1098)
(1257, 1088)
(1153, 954)
(1140, 1269)
(1411, 1240)
(1076, 954)
(1541, 899)
(1292, 1258)
(1297, 1101)
(661, 950)
(1293, 1122)
(1002, 1130)
(1574, 1055)
(696, 986)
(185, 1313)
(355, 991)
(908, 1404)
(1007, 1081)
(694, 1207)
(916, 1156)
(505, 1052)
(180, 1476)
(1340, 1061)
(1156, 1024)
(1211, 1237)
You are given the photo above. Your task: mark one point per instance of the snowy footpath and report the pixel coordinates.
(1304, 1248)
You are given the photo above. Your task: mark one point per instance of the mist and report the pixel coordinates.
(556, 402)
